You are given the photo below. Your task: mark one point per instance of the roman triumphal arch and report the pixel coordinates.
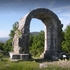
(53, 36)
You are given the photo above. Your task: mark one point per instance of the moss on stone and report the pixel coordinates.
(19, 32)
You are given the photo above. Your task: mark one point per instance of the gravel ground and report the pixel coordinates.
(60, 63)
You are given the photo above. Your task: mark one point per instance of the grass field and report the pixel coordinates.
(6, 64)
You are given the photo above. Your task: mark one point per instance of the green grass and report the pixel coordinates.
(6, 64)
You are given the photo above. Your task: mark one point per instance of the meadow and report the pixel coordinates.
(6, 64)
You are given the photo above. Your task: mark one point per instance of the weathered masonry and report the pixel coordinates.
(53, 36)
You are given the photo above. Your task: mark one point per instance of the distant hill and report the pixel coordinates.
(34, 33)
(4, 39)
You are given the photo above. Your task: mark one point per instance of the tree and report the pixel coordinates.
(66, 42)
(7, 46)
(37, 44)
(12, 32)
(1, 45)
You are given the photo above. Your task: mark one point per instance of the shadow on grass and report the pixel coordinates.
(5, 60)
(41, 60)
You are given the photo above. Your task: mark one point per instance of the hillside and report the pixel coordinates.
(34, 33)
(4, 39)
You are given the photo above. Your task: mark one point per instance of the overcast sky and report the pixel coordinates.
(12, 10)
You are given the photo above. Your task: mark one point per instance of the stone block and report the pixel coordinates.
(15, 56)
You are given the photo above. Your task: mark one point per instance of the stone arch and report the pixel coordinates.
(53, 28)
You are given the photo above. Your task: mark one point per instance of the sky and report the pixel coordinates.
(13, 10)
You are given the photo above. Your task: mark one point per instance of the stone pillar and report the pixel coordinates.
(45, 45)
(15, 42)
(48, 37)
(48, 46)
(46, 42)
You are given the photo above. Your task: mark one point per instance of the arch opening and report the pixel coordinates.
(48, 35)
(36, 41)
(36, 25)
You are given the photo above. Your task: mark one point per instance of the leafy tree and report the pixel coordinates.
(31, 40)
(37, 44)
(41, 37)
(66, 42)
(7, 46)
(12, 32)
(1, 45)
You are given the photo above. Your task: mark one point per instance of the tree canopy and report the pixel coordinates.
(12, 32)
(1, 45)
(37, 44)
(66, 41)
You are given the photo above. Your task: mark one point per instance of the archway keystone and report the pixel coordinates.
(53, 36)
